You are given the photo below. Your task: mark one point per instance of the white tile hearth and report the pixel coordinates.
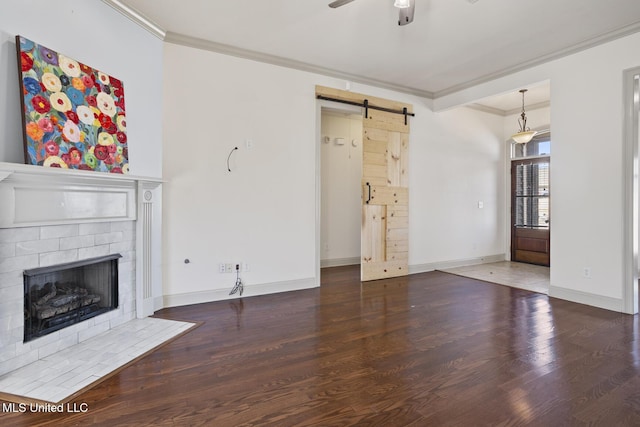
(530, 277)
(60, 375)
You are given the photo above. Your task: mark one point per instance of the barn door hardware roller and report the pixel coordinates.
(365, 104)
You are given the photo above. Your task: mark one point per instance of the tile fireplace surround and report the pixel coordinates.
(50, 216)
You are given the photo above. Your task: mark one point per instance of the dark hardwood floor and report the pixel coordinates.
(431, 349)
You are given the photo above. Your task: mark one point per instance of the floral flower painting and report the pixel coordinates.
(73, 115)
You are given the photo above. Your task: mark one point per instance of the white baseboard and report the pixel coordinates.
(249, 291)
(443, 265)
(339, 262)
(608, 303)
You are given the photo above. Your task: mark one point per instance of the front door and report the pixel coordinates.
(530, 215)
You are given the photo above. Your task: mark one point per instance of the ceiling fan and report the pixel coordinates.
(406, 9)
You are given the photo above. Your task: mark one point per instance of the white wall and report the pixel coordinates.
(264, 211)
(341, 190)
(587, 115)
(92, 33)
(459, 164)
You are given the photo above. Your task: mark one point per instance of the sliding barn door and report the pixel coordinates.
(385, 182)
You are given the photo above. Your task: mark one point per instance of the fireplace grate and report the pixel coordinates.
(59, 296)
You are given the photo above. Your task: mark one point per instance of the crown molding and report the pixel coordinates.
(539, 105)
(181, 39)
(579, 47)
(504, 113)
(137, 18)
(486, 109)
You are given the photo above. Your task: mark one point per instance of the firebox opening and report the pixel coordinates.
(61, 295)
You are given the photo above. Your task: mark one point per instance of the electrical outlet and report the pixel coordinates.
(587, 272)
(221, 268)
(228, 268)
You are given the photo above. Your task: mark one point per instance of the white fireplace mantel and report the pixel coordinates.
(36, 195)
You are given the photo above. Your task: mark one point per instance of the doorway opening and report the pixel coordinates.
(340, 197)
(384, 189)
(530, 201)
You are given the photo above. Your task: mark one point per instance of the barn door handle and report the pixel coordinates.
(369, 193)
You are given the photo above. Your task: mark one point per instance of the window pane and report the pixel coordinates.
(540, 145)
(532, 195)
(532, 212)
(532, 179)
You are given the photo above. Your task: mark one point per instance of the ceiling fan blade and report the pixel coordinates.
(406, 14)
(338, 3)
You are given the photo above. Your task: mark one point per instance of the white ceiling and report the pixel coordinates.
(452, 44)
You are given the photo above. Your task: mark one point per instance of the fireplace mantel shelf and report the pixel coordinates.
(89, 177)
(36, 195)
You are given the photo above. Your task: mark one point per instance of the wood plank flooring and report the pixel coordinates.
(430, 349)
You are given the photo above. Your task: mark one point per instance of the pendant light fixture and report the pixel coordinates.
(402, 4)
(525, 134)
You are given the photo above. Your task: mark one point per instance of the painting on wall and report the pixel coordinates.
(73, 115)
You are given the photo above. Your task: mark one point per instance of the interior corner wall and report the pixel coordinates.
(587, 181)
(95, 34)
(341, 172)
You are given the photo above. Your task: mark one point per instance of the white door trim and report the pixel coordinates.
(631, 87)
